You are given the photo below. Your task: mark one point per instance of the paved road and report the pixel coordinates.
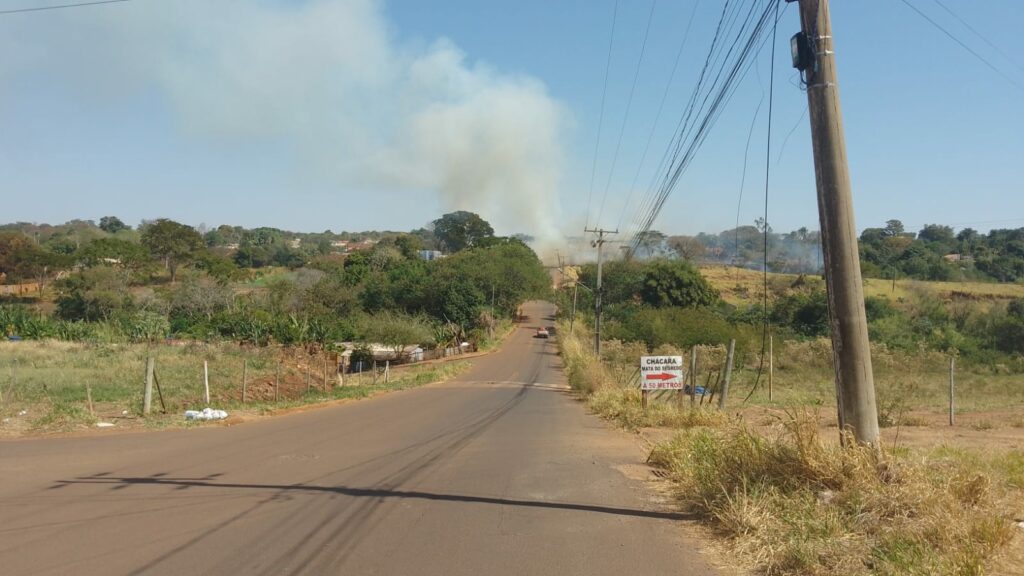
(499, 473)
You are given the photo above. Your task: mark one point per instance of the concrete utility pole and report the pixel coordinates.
(813, 53)
(599, 243)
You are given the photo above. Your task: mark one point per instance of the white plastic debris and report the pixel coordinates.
(23, 412)
(205, 414)
(104, 425)
(124, 412)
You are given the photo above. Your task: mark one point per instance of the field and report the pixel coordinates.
(744, 286)
(45, 386)
(779, 493)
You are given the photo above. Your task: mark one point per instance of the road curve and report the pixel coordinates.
(497, 473)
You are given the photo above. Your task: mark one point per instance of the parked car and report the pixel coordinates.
(542, 332)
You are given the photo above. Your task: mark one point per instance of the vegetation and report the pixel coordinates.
(168, 280)
(44, 384)
(789, 501)
(933, 253)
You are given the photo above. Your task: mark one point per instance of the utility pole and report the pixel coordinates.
(599, 244)
(814, 54)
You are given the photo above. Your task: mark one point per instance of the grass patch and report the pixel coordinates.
(610, 392)
(789, 503)
(793, 504)
(48, 381)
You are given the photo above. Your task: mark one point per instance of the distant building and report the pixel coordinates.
(958, 258)
(430, 255)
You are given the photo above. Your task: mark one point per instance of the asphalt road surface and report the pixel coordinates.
(498, 473)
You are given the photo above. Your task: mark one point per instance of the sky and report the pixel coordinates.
(310, 115)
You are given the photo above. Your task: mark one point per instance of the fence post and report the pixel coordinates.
(206, 382)
(693, 375)
(728, 374)
(374, 368)
(308, 376)
(643, 399)
(88, 397)
(326, 389)
(245, 374)
(147, 397)
(771, 366)
(387, 371)
(952, 390)
(277, 382)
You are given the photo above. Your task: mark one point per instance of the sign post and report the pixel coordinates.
(660, 373)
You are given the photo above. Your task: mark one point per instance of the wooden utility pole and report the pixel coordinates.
(854, 376)
(599, 244)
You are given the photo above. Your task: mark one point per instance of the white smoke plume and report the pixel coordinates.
(330, 80)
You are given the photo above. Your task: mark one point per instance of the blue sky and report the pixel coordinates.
(356, 114)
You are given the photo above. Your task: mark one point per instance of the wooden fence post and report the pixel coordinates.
(952, 390)
(728, 374)
(308, 376)
(693, 375)
(326, 388)
(277, 382)
(387, 371)
(206, 382)
(88, 397)
(374, 368)
(245, 382)
(147, 396)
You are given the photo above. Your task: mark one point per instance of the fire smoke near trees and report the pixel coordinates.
(329, 83)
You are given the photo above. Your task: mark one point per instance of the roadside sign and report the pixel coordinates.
(661, 372)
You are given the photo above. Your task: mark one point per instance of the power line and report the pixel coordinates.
(727, 62)
(600, 120)
(625, 117)
(657, 117)
(979, 35)
(60, 6)
(963, 45)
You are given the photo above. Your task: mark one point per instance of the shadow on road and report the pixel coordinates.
(185, 483)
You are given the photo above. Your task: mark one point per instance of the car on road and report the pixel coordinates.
(542, 332)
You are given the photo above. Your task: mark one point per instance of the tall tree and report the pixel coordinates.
(112, 225)
(176, 243)
(460, 230)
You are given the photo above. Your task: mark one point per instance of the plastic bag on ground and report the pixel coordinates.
(205, 414)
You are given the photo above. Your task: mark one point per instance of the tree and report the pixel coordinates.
(893, 228)
(409, 245)
(396, 331)
(113, 251)
(174, 242)
(676, 283)
(113, 225)
(687, 247)
(650, 243)
(460, 230)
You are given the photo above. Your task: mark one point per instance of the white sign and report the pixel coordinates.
(661, 372)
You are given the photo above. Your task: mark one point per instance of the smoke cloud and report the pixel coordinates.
(331, 83)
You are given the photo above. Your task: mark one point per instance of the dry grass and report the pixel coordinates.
(43, 384)
(792, 504)
(610, 389)
(744, 286)
(788, 502)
